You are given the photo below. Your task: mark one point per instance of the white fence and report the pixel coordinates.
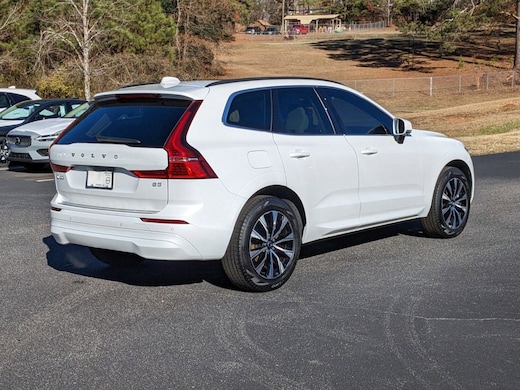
(439, 85)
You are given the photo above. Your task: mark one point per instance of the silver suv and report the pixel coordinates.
(247, 171)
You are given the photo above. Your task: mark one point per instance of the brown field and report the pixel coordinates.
(385, 54)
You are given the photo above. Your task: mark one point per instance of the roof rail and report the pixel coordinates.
(237, 80)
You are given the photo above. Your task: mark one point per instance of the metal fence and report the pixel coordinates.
(439, 85)
(357, 27)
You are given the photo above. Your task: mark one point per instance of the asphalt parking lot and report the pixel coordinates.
(387, 309)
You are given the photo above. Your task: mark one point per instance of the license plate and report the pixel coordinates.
(100, 179)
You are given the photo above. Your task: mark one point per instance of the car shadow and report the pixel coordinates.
(410, 228)
(36, 168)
(78, 260)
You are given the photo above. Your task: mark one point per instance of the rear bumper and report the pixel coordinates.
(129, 234)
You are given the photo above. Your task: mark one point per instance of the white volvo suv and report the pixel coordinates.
(247, 171)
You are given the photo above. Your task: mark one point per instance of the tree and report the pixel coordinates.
(517, 42)
(11, 27)
(513, 15)
(79, 30)
(201, 25)
(442, 21)
(9, 16)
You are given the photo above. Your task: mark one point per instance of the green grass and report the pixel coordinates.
(499, 128)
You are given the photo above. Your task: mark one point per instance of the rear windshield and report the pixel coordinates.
(141, 123)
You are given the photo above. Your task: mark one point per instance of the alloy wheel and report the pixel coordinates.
(272, 244)
(454, 206)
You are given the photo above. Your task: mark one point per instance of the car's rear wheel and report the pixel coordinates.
(450, 205)
(115, 258)
(265, 245)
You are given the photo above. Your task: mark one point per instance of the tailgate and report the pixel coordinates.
(99, 176)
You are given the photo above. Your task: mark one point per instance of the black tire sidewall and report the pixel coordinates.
(442, 229)
(256, 209)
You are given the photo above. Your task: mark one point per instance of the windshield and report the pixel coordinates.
(19, 111)
(78, 110)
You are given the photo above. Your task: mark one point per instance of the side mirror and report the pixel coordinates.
(400, 128)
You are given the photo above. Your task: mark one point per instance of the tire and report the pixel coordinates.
(116, 259)
(4, 152)
(450, 205)
(264, 246)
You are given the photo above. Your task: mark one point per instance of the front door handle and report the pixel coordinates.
(369, 151)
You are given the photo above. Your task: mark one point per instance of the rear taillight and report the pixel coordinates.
(184, 161)
(60, 168)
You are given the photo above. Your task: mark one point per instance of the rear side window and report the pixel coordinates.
(17, 98)
(141, 123)
(250, 110)
(4, 103)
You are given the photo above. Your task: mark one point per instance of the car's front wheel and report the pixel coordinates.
(116, 259)
(4, 152)
(450, 205)
(265, 245)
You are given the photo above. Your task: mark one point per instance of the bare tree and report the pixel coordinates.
(517, 41)
(76, 29)
(9, 16)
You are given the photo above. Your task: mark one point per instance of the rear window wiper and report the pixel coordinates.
(117, 140)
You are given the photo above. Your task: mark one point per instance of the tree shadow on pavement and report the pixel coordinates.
(407, 53)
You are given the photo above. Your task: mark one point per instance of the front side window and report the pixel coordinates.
(298, 110)
(54, 111)
(355, 115)
(251, 109)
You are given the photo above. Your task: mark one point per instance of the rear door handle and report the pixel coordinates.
(299, 154)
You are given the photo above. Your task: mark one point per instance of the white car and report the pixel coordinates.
(29, 144)
(28, 111)
(12, 95)
(247, 171)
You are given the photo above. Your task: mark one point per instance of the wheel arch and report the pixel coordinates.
(434, 173)
(465, 168)
(286, 194)
(450, 204)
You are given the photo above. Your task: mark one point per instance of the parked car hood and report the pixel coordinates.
(5, 123)
(43, 127)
